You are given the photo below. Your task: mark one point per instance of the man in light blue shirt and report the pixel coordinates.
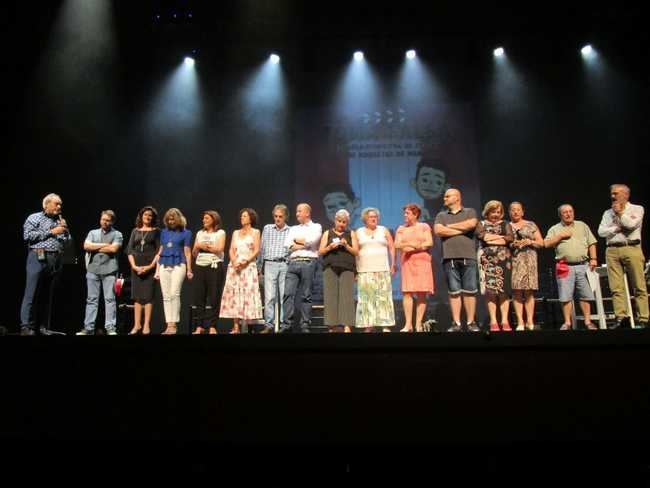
(102, 246)
(301, 243)
(272, 261)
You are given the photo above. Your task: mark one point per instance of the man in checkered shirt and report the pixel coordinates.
(272, 262)
(45, 234)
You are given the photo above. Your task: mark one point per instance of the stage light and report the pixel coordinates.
(275, 59)
(358, 56)
(188, 61)
(189, 15)
(587, 50)
(410, 54)
(174, 15)
(498, 52)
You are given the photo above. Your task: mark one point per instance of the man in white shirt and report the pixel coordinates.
(301, 243)
(621, 227)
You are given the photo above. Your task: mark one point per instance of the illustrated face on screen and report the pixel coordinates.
(337, 200)
(430, 183)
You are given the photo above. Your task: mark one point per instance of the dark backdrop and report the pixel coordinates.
(79, 99)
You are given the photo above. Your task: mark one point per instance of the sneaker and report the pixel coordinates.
(455, 328)
(85, 332)
(473, 327)
(111, 332)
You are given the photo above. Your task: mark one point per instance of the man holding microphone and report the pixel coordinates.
(45, 234)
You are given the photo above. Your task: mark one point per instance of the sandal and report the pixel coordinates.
(170, 330)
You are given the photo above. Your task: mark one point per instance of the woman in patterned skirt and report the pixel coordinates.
(527, 239)
(495, 267)
(375, 265)
(241, 300)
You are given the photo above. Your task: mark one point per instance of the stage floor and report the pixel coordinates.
(333, 392)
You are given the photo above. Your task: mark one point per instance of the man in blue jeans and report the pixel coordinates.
(102, 246)
(455, 227)
(302, 243)
(272, 263)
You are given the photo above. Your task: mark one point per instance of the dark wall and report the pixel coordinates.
(79, 113)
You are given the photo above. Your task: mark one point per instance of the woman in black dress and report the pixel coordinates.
(142, 252)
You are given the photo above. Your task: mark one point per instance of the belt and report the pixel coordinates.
(45, 251)
(294, 260)
(579, 263)
(276, 260)
(635, 242)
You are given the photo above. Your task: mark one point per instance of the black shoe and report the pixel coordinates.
(623, 323)
(267, 330)
(473, 327)
(284, 330)
(27, 331)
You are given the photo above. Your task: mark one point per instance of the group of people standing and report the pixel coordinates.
(506, 261)
(285, 258)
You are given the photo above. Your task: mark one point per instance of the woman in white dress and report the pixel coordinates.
(241, 300)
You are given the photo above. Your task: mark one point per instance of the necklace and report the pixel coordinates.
(143, 240)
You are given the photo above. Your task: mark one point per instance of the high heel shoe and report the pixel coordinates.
(198, 331)
(146, 331)
(505, 327)
(406, 329)
(135, 330)
(212, 330)
(170, 330)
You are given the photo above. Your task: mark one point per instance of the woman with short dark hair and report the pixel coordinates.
(207, 284)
